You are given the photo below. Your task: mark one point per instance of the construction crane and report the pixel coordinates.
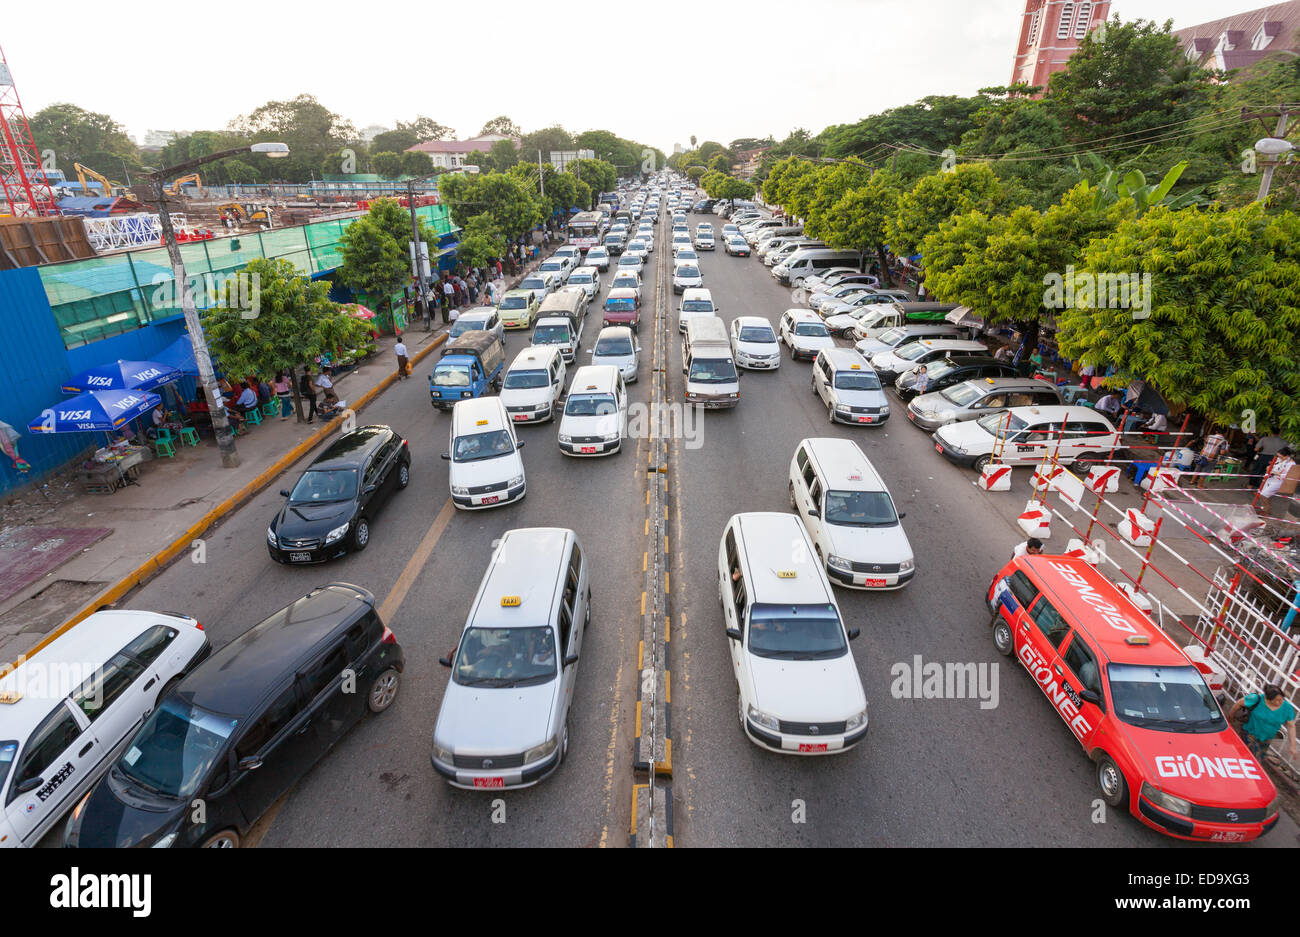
(22, 176)
(110, 188)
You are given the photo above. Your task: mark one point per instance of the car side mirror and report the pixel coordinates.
(249, 763)
(684, 370)
(446, 457)
(854, 632)
(902, 514)
(1090, 696)
(570, 660)
(734, 634)
(370, 489)
(284, 492)
(29, 785)
(814, 512)
(520, 444)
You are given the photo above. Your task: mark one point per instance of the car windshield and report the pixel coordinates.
(525, 380)
(590, 405)
(892, 337)
(580, 279)
(172, 754)
(331, 485)
(613, 346)
(860, 509)
(8, 749)
(994, 424)
(550, 335)
(757, 333)
(511, 302)
(451, 375)
(712, 371)
(857, 380)
(636, 246)
(629, 260)
(697, 305)
(1173, 699)
(963, 394)
(533, 283)
(620, 302)
(465, 324)
(912, 351)
(478, 446)
(941, 369)
(738, 241)
(624, 282)
(506, 657)
(552, 266)
(811, 329)
(686, 270)
(796, 632)
(597, 253)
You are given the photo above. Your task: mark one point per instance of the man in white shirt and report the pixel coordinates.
(400, 350)
(1108, 404)
(1157, 424)
(1032, 547)
(327, 388)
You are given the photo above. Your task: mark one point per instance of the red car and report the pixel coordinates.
(1142, 712)
(623, 307)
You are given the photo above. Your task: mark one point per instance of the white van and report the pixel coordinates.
(902, 334)
(849, 388)
(850, 516)
(779, 254)
(595, 412)
(709, 365)
(68, 711)
(696, 303)
(804, 333)
(799, 688)
(811, 261)
(486, 468)
(534, 384)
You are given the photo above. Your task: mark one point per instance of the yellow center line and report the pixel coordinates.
(393, 601)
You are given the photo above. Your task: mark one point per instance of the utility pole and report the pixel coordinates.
(541, 179)
(415, 250)
(1282, 113)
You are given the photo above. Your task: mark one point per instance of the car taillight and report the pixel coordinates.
(199, 625)
(405, 442)
(389, 637)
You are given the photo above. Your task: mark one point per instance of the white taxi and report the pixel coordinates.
(486, 468)
(595, 412)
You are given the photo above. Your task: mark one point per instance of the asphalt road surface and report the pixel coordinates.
(930, 773)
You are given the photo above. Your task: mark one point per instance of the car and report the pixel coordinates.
(1028, 434)
(910, 355)
(239, 731)
(588, 279)
(636, 248)
(730, 230)
(503, 723)
(613, 244)
(831, 277)
(839, 307)
(622, 307)
(835, 294)
(804, 333)
(845, 506)
(849, 388)
(704, 241)
(618, 347)
(598, 257)
(542, 284)
(754, 343)
(486, 470)
(595, 412)
(71, 706)
(329, 510)
(572, 252)
(704, 227)
(798, 686)
(534, 384)
(627, 280)
(557, 267)
(482, 319)
(686, 255)
(518, 308)
(958, 369)
(560, 331)
(686, 275)
(736, 246)
(696, 303)
(1159, 744)
(629, 261)
(978, 397)
(842, 325)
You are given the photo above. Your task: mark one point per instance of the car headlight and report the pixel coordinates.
(517, 480)
(609, 437)
(459, 490)
(906, 566)
(165, 842)
(854, 722)
(884, 411)
(930, 414)
(839, 562)
(1167, 801)
(565, 437)
(464, 393)
(270, 537)
(843, 408)
(337, 532)
(1274, 806)
(540, 751)
(762, 718)
(443, 754)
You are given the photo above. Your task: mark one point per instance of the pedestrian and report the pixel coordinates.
(1108, 405)
(1267, 714)
(1277, 475)
(1005, 353)
(1209, 456)
(455, 314)
(1268, 447)
(1031, 547)
(922, 382)
(500, 273)
(1157, 424)
(247, 399)
(448, 295)
(283, 393)
(307, 390)
(324, 381)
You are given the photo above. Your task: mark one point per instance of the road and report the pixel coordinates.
(931, 772)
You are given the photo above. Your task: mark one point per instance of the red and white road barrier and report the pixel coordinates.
(1090, 553)
(1208, 667)
(1044, 475)
(995, 477)
(1161, 479)
(1135, 596)
(1137, 528)
(1103, 479)
(1036, 519)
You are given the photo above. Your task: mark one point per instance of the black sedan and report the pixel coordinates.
(330, 509)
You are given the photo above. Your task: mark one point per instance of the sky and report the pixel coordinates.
(655, 73)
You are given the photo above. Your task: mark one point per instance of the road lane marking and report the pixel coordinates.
(393, 601)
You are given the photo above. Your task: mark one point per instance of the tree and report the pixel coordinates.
(859, 220)
(426, 128)
(833, 181)
(1112, 187)
(599, 174)
(386, 164)
(711, 148)
(695, 172)
(547, 140)
(80, 136)
(800, 188)
(732, 188)
(415, 163)
(502, 125)
(503, 154)
(206, 142)
(295, 323)
(480, 241)
(310, 129)
(935, 198)
(394, 141)
(609, 147)
(506, 200)
(720, 162)
(936, 122)
(374, 262)
(692, 141)
(1224, 310)
(395, 221)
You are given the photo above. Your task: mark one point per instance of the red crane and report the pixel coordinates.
(27, 191)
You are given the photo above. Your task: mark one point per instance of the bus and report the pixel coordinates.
(586, 229)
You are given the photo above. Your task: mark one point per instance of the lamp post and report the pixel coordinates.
(421, 291)
(1272, 149)
(207, 377)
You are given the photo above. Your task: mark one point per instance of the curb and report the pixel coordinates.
(164, 557)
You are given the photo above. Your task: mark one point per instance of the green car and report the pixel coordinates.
(518, 309)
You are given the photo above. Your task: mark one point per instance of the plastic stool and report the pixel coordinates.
(164, 447)
(189, 436)
(270, 407)
(254, 416)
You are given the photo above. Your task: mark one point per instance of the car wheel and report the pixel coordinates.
(403, 474)
(813, 382)
(586, 619)
(384, 690)
(981, 462)
(1002, 639)
(1114, 789)
(564, 746)
(830, 413)
(361, 535)
(226, 839)
(793, 505)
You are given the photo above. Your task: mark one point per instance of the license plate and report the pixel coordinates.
(490, 499)
(938, 447)
(876, 582)
(521, 416)
(864, 419)
(1228, 837)
(812, 746)
(588, 449)
(299, 557)
(911, 416)
(490, 782)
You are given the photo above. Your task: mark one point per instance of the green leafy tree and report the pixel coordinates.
(936, 123)
(374, 263)
(1224, 311)
(732, 188)
(833, 182)
(80, 136)
(720, 162)
(600, 176)
(547, 140)
(395, 220)
(504, 154)
(609, 147)
(480, 241)
(859, 220)
(204, 143)
(386, 164)
(800, 189)
(394, 141)
(502, 125)
(709, 149)
(311, 130)
(295, 323)
(1111, 186)
(506, 199)
(695, 172)
(415, 163)
(935, 198)
(426, 128)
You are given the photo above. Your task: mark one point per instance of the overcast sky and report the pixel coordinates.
(653, 72)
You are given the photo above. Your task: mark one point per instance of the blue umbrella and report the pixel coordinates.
(123, 375)
(103, 410)
(180, 355)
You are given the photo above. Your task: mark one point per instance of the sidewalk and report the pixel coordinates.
(142, 521)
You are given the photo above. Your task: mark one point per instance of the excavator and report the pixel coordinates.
(246, 214)
(110, 188)
(175, 187)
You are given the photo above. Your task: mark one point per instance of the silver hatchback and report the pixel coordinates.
(504, 719)
(972, 399)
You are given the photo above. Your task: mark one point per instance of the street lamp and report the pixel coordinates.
(1272, 149)
(421, 291)
(207, 376)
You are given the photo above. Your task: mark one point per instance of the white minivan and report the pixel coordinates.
(534, 384)
(710, 368)
(799, 689)
(486, 468)
(595, 412)
(804, 333)
(68, 710)
(812, 261)
(696, 303)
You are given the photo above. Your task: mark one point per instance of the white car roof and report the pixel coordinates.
(594, 379)
(844, 464)
(478, 415)
(534, 357)
(803, 314)
(767, 537)
(524, 559)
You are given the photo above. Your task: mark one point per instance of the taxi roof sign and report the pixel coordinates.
(855, 367)
(480, 422)
(1140, 640)
(10, 696)
(787, 574)
(510, 601)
